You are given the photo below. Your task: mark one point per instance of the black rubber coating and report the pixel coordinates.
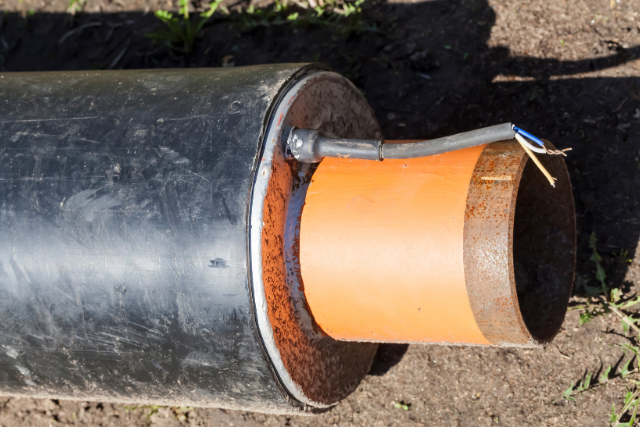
(448, 143)
(349, 148)
(124, 206)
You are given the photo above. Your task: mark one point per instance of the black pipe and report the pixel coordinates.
(123, 226)
(131, 222)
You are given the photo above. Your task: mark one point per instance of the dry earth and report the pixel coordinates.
(567, 70)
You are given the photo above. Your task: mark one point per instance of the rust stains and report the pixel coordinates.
(519, 246)
(327, 370)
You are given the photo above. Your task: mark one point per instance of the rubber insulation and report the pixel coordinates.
(308, 146)
(448, 143)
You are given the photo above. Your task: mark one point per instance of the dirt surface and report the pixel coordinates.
(566, 70)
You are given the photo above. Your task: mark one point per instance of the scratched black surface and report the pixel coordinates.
(123, 235)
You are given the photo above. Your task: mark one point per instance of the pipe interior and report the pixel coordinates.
(544, 248)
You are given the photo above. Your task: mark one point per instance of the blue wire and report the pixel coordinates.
(528, 135)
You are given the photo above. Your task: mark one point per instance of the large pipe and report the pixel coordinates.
(467, 247)
(157, 243)
(131, 216)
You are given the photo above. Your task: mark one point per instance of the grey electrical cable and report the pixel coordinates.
(309, 147)
(448, 143)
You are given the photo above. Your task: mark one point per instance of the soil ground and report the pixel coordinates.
(566, 70)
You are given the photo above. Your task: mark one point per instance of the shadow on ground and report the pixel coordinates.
(427, 71)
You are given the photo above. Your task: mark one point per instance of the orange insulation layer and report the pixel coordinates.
(381, 249)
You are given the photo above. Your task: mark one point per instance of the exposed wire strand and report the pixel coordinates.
(546, 173)
(559, 152)
(541, 142)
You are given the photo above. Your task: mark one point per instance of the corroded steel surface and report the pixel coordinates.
(518, 264)
(321, 370)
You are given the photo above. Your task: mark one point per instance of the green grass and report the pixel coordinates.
(75, 6)
(182, 30)
(601, 300)
(342, 16)
(401, 405)
(153, 409)
(629, 406)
